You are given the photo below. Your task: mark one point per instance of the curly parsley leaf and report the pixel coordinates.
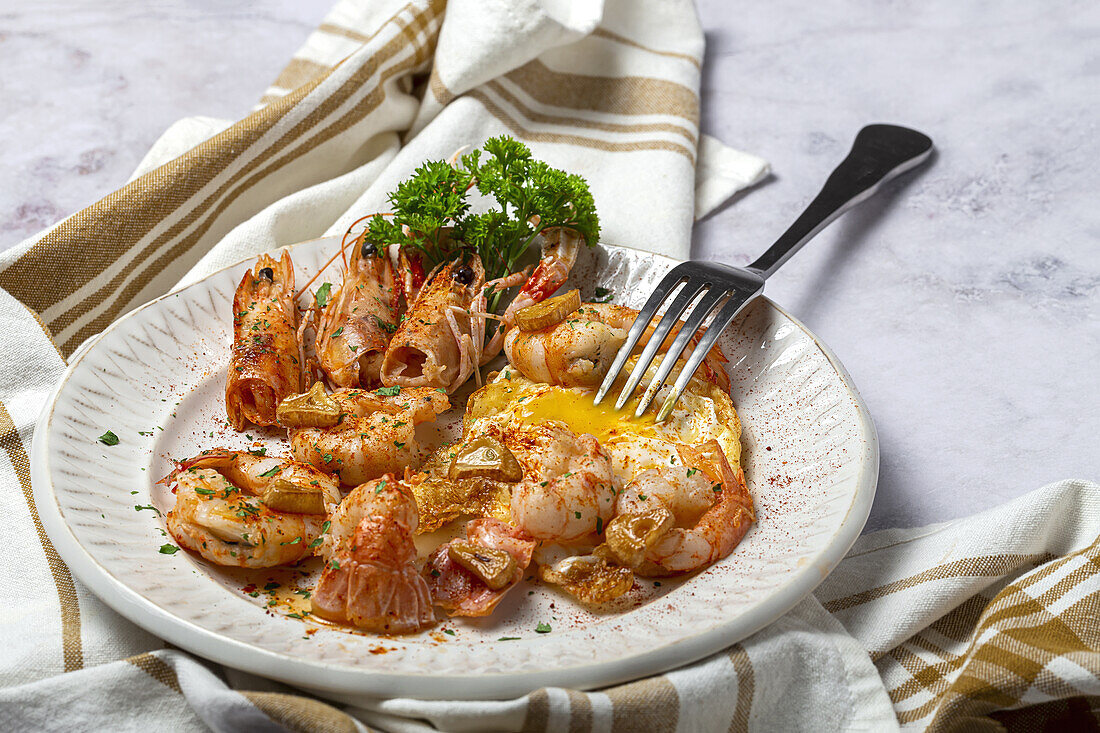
(428, 202)
(526, 190)
(431, 209)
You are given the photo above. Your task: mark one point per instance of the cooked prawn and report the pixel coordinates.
(356, 323)
(441, 340)
(460, 592)
(560, 247)
(568, 487)
(676, 519)
(376, 433)
(218, 513)
(264, 366)
(578, 351)
(370, 578)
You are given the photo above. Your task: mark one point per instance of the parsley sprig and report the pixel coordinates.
(530, 197)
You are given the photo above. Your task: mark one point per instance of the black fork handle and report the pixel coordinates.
(879, 153)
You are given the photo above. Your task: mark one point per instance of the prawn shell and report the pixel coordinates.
(370, 578)
(426, 350)
(357, 322)
(263, 366)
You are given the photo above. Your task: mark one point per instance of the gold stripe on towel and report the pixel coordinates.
(984, 566)
(621, 95)
(72, 649)
(299, 72)
(604, 33)
(538, 712)
(746, 687)
(439, 89)
(569, 120)
(580, 712)
(339, 30)
(301, 714)
(649, 704)
(156, 668)
(589, 142)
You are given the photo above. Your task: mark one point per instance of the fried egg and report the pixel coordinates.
(704, 413)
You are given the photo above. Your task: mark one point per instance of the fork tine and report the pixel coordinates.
(674, 277)
(688, 293)
(702, 309)
(725, 316)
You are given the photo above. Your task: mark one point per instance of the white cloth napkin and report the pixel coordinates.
(991, 618)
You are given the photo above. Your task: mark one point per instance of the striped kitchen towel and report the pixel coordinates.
(989, 622)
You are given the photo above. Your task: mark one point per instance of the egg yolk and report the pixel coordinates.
(581, 416)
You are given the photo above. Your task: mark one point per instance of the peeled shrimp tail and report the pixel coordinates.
(375, 584)
(370, 577)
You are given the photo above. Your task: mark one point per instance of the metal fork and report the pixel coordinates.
(879, 153)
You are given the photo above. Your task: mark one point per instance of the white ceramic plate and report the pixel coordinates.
(156, 379)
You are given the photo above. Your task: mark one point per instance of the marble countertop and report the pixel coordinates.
(964, 301)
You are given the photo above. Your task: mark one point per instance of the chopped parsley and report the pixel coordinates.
(543, 628)
(108, 438)
(169, 549)
(322, 294)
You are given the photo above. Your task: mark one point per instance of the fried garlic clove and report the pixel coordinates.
(628, 536)
(549, 312)
(589, 578)
(485, 457)
(312, 409)
(495, 568)
(283, 496)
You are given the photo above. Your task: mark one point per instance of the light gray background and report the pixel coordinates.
(965, 301)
